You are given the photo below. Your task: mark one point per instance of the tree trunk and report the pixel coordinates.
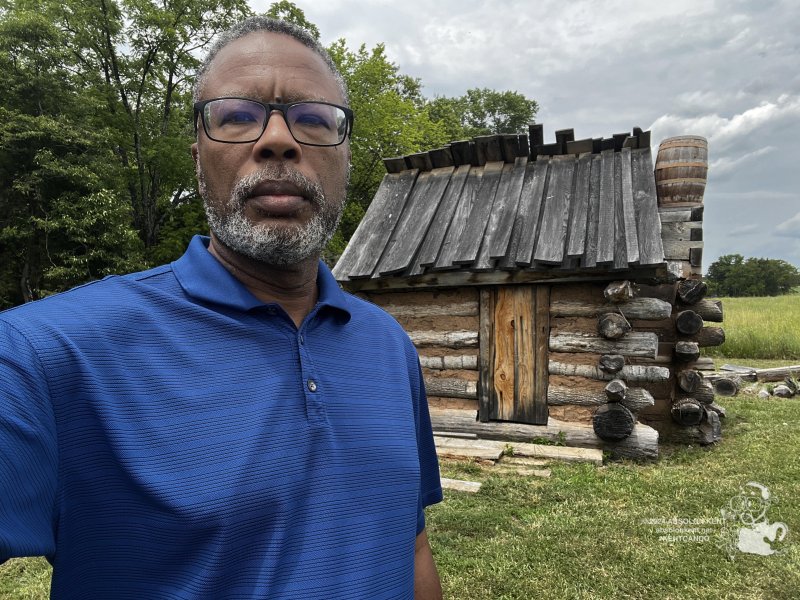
(636, 399)
(643, 344)
(726, 386)
(709, 310)
(451, 388)
(619, 291)
(687, 351)
(687, 412)
(709, 336)
(778, 373)
(456, 363)
(688, 322)
(449, 339)
(692, 291)
(615, 390)
(612, 363)
(642, 444)
(704, 393)
(689, 380)
(461, 309)
(646, 309)
(629, 373)
(613, 422)
(613, 326)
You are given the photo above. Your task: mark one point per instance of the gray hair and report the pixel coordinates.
(260, 23)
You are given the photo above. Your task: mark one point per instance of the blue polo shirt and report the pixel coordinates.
(167, 435)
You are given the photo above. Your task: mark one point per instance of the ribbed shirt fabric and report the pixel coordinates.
(167, 435)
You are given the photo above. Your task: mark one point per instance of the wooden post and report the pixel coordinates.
(613, 422)
(536, 135)
(692, 291)
(709, 310)
(687, 351)
(689, 380)
(727, 386)
(709, 336)
(687, 412)
(619, 291)
(612, 363)
(688, 322)
(613, 326)
(616, 390)
(704, 393)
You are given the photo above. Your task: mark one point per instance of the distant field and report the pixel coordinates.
(761, 328)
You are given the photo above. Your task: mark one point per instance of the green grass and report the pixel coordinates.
(582, 534)
(25, 579)
(760, 328)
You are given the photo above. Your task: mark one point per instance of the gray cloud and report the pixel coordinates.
(790, 228)
(727, 71)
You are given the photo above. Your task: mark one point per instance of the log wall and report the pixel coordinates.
(443, 324)
(638, 370)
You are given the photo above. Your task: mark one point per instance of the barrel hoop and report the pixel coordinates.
(681, 180)
(669, 165)
(684, 144)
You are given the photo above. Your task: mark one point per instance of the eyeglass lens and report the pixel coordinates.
(240, 120)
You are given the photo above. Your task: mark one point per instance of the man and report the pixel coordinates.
(232, 425)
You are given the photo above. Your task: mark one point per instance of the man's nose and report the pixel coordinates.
(277, 141)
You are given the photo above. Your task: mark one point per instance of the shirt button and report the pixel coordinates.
(302, 339)
(272, 310)
(312, 385)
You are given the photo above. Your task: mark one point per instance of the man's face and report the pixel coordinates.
(273, 200)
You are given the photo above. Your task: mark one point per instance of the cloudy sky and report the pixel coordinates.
(726, 70)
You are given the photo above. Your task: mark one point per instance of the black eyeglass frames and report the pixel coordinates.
(242, 120)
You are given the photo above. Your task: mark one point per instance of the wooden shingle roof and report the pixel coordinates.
(492, 205)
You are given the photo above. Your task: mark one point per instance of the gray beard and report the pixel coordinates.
(281, 246)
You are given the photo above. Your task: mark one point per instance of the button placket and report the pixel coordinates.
(315, 406)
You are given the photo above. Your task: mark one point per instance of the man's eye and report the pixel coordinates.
(237, 117)
(312, 119)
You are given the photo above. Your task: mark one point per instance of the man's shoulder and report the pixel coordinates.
(91, 299)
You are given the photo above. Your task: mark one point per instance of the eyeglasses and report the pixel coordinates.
(240, 120)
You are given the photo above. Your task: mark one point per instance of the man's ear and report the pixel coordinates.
(195, 155)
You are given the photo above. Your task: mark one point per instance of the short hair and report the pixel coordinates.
(260, 23)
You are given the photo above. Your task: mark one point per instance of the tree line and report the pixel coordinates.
(734, 275)
(95, 127)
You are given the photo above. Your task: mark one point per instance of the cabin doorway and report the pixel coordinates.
(514, 335)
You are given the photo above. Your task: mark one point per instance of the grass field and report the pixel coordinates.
(761, 328)
(587, 533)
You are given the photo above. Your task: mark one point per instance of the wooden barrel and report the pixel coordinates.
(681, 170)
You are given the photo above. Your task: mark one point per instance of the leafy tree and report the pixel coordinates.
(136, 58)
(734, 275)
(61, 222)
(287, 11)
(482, 111)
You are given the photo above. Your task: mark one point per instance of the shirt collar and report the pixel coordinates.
(203, 277)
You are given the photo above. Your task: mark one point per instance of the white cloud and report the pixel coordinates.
(726, 165)
(725, 132)
(789, 228)
(744, 230)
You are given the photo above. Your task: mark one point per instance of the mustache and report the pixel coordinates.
(246, 186)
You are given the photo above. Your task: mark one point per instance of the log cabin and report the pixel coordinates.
(553, 291)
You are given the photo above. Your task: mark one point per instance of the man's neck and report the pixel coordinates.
(294, 287)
